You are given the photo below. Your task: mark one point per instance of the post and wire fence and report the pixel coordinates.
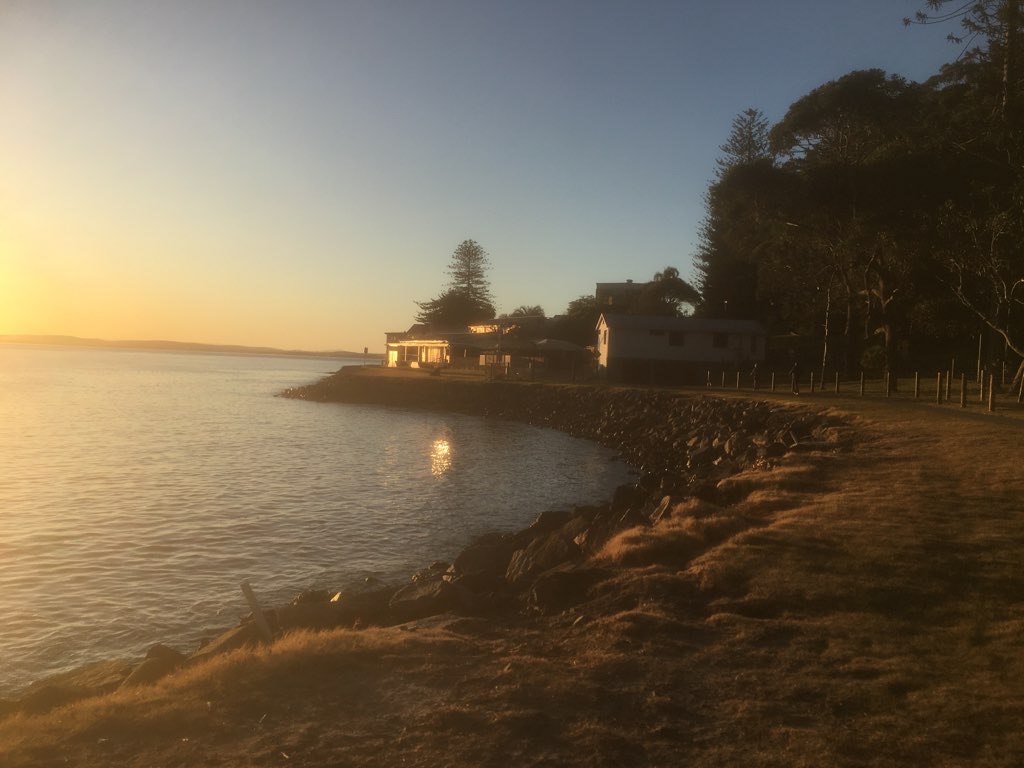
(950, 387)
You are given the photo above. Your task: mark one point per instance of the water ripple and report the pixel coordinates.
(139, 489)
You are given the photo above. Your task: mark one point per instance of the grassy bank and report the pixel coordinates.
(847, 608)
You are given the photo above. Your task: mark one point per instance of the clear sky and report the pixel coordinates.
(298, 173)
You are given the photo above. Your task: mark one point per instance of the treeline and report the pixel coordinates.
(881, 215)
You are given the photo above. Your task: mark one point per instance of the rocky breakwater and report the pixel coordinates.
(680, 442)
(686, 447)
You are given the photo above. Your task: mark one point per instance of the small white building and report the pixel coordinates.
(416, 347)
(656, 349)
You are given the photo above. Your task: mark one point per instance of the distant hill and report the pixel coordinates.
(178, 346)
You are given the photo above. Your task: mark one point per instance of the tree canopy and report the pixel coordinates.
(889, 213)
(748, 140)
(467, 298)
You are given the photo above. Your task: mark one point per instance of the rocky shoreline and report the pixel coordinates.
(687, 448)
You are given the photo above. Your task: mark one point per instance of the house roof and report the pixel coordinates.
(557, 345)
(661, 322)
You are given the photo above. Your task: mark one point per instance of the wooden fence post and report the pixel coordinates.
(737, 379)
(723, 378)
(257, 613)
(837, 382)
(949, 380)
(1020, 394)
(981, 389)
(963, 390)
(862, 383)
(991, 393)
(707, 381)
(917, 385)
(773, 381)
(812, 382)
(888, 391)
(938, 387)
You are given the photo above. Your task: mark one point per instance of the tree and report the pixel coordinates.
(973, 239)
(847, 121)
(846, 141)
(745, 211)
(665, 294)
(748, 141)
(467, 299)
(579, 322)
(527, 310)
(527, 321)
(995, 22)
(897, 206)
(726, 268)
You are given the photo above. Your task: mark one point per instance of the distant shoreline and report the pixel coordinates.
(180, 346)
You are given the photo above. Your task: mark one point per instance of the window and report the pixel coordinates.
(720, 340)
(604, 337)
(676, 338)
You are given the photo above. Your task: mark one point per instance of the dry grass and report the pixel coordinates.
(863, 608)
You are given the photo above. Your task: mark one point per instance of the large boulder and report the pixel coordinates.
(426, 597)
(563, 586)
(152, 669)
(543, 553)
(234, 638)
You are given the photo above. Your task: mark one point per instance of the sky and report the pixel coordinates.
(298, 173)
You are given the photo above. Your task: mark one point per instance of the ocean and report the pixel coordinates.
(138, 489)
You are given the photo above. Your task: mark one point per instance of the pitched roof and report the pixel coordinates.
(557, 345)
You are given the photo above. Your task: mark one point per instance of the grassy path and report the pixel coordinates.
(895, 599)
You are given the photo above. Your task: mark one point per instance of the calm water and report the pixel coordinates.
(137, 489)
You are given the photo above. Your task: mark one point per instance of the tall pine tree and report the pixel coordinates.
(467, 299)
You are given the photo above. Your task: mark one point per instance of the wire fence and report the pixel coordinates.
(985, 390)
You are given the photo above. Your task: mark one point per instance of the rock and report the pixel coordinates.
(483, 559)
(311, 596)
(357, 607)
(479, 583)
(431, 572)
(237, 637)
(161, 651)
(424, 598)
(663, 510)
(548, 521)
(159, 662)
(542, 554)
(631, 518)
(563, 586)
(627, 496)
(575, 527)
(149, 671)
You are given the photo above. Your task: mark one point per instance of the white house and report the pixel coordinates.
(656, 349)
(416, 347)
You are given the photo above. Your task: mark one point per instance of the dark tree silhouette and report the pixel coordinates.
(467, 299)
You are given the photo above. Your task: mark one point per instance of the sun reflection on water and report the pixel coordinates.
(440, 457)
